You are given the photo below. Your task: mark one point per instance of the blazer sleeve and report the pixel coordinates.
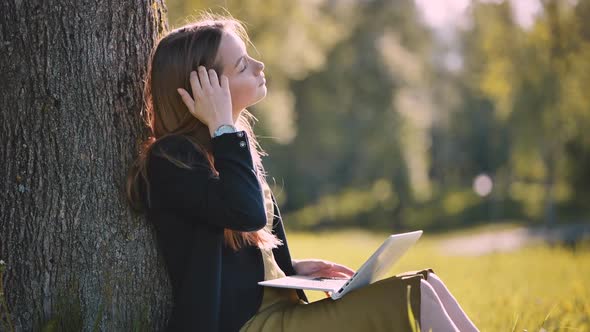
(232, 200)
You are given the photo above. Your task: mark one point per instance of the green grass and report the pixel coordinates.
(533, 287)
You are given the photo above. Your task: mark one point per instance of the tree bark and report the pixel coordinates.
(76, 257)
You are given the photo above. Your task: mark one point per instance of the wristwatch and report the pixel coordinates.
(224, 129)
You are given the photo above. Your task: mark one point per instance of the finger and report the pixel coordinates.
(224, 83)
(186, 99)
(213, 78)
(320, 274)
(337, 267)
(343, 275)
(319, 265)
(324, 266)
(195, 85)
(329, 274)
(336, 274)
(344, 269)
(204, 78)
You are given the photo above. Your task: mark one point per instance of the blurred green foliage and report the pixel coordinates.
(365, 124)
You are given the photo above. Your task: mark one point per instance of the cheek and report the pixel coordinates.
(240, 89)
(235, 87)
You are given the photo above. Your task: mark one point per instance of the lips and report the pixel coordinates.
(263, 82)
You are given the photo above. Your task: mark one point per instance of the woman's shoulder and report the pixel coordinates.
(179, 148)
(173, 143)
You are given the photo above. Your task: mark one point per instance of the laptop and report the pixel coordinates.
(392, 249)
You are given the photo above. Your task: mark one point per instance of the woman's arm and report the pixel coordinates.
(233, 200)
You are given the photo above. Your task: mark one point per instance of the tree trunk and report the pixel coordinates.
(70, 97)
(549, 185)
(552, 142)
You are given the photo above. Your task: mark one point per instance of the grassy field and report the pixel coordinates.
(533, 287)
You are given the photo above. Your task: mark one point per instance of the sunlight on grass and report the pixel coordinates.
(533, 287)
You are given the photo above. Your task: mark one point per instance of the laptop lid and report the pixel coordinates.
(392, 249)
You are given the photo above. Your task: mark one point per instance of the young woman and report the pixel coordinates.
(201, 183)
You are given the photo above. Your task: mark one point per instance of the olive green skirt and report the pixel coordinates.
(381, 306)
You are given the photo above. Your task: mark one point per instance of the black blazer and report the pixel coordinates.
(214, 288)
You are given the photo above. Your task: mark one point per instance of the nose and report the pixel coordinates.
(260, 66)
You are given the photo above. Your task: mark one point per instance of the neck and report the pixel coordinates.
(236, 115)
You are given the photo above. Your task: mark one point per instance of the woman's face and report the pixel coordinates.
(246, 79)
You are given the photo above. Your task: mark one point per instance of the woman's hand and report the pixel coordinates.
(321, 268)
(212, 104)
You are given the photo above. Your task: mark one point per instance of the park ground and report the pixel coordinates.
(506, 277)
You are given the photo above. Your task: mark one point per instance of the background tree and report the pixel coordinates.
(367, 123)
(70, 100)
(534, 79)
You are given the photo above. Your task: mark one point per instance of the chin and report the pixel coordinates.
(260, 97)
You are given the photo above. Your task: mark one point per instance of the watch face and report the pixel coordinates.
(224, 129)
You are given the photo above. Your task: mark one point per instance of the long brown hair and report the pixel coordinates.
(175, 55)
